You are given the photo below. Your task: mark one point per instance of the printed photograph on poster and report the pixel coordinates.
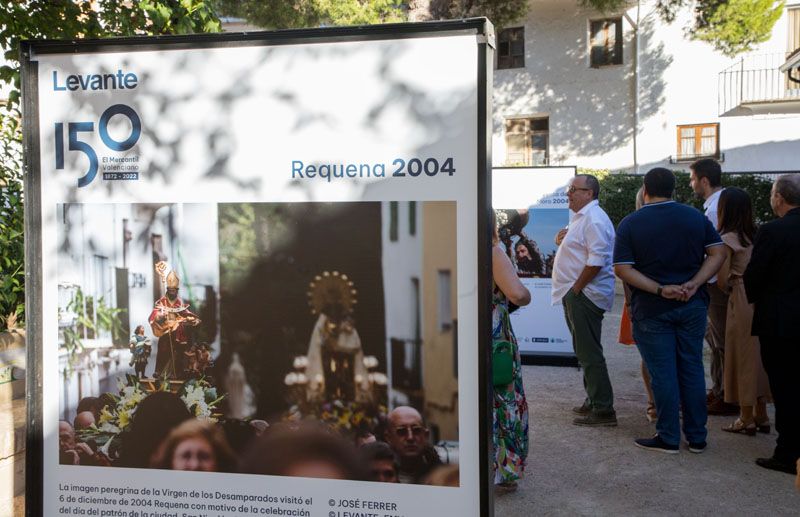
(531, 208)
(528, 237)
(289, 339)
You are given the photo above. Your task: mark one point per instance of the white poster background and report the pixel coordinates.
(224, 125)
(540, 327)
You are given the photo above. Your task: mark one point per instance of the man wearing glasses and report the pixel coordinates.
(583, 282)
(407, 435)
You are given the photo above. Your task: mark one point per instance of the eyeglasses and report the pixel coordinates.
(416, 431)
(573, 188)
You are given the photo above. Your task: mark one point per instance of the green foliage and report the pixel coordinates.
(736, 26)
(12, 245)
(618, 192)
(91, 318)
(502, 13)
(277, 14)
(730, 26)
(64, 19)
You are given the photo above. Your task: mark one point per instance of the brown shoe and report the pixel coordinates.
(582, 410)
(722, 408)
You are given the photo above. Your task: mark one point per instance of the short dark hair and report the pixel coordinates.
(377, 451)
(592, 183)
(659, 182)
(708, 168)
(788, 186)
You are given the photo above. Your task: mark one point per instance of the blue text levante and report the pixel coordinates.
(118, 81)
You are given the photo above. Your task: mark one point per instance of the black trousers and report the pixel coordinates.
(781, 358)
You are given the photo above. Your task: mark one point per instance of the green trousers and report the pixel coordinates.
(584, 320)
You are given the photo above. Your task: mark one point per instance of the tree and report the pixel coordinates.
(63, 19)
(280, 14)
(730, 26)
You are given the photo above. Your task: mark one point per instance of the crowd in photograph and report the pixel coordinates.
(689, 276)
(164, 434)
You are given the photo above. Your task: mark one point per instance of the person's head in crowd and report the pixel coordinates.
(67, 444)
(406, 433)
(705, 177)
(303, 451)
(735, 214)
(238, 433)
(381, 462)
(364, 438)
(659, 183)
(93, 404)
(444, 475)
(583, 189)
(197, 446)
(84, 420)
(785, 194)
(157, 415)
(522, 252)
(66, 436)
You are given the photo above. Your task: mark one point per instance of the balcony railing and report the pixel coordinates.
(756, 81)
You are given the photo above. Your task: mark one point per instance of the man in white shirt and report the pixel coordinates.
(583, 282)
(706, 182)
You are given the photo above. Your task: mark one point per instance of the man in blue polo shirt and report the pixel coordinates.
(666, 252)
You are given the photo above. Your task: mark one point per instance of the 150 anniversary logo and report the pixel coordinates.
(114, 167)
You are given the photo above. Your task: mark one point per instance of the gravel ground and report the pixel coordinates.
(598, 471)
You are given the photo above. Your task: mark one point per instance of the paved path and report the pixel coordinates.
(598, 471)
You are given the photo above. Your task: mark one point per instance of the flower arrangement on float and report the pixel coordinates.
(199, 395)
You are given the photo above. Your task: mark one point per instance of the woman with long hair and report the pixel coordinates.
(626, 334)
(745, 380)
(510, 437)
(195, 445)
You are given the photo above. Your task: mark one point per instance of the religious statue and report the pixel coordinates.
(171, 321)
(198, 360)
(241, 403)
(140, 351)
(336, 369)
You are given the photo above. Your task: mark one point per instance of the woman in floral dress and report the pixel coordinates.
(510, 437)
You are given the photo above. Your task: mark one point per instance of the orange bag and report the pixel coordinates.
(626, 328)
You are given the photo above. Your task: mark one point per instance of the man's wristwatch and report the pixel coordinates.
(658, 291)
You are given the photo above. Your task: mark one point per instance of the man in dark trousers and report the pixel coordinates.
(772, 283)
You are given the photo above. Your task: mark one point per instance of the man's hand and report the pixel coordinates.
(689, 288)
(673, 292)
(560, 236)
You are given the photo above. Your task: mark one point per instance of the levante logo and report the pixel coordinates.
(114, 166)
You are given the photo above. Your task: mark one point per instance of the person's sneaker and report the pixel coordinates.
(595, 419)
(583, 410)
(656, 444)
(698, 447)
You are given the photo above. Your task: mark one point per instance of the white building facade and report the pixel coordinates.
(627, 92)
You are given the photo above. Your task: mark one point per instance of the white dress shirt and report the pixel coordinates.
(589, 242)
(710, 209)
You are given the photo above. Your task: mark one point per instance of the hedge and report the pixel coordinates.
(618, 192)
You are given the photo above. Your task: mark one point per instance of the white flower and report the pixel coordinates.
(108, 427)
